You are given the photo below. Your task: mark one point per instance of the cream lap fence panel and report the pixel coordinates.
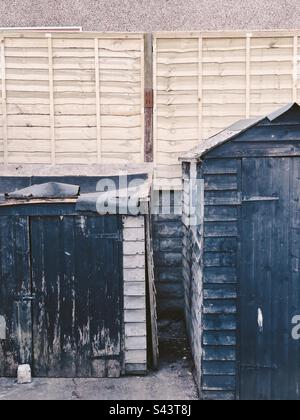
(71, 98)
(205, 82)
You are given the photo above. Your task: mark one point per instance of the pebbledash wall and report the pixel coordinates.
(78, 98)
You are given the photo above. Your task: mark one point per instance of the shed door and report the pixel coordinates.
(15, 293)
(270, 279)
(61, 295)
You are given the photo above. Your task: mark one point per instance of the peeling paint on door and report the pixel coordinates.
(2, 328)
(260, 320)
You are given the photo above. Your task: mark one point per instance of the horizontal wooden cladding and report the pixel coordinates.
(79, 99)
(222, 322)
(134, 274)
(259, 149)
(204, 82)
(219, 383)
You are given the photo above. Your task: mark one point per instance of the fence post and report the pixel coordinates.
(148, 98)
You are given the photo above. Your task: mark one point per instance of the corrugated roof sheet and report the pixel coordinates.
(233, 131)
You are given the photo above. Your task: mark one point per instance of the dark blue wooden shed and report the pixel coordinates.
(241, 216)
(73, 279)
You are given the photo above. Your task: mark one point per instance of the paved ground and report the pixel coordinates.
(173, 381)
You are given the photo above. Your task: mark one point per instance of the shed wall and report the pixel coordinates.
(134, 271)
(167, 235)
(192, 250)
(215, 341)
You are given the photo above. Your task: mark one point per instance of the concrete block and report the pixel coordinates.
(24, 374)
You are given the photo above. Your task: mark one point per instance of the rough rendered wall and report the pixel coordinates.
(152, 15)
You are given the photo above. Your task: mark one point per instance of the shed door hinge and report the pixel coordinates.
(149, 95)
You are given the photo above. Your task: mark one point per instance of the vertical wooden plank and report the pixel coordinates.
(256, 244)
(248, 75)
(152, 295)
(16, 348)
(98, 101)
(266, 287)
(142, 134)
(78, 310)
(4, 105)
(294, 298)
(113, 305)
(155, 136)
(295, 69)
(285, 379)
(148, 115)
(51, 95)
(46, 280)
(67, 297)
(200, 88)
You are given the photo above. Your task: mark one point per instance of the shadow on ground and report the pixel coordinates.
(173, 380)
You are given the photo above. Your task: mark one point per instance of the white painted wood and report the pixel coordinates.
(136, 356)
(135, 315)
(134, 234)
(136, 343)
(4, 103)
(134, 274)
(134, 248)
(136, 329)
(134, 289)
(134, 302)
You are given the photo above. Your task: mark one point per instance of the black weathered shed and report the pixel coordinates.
(73, 281)
(242, 258)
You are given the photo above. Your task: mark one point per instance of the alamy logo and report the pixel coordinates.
(296, 329)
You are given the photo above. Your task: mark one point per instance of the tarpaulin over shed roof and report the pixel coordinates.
(47, 191)
(116, 200)
(118, 195)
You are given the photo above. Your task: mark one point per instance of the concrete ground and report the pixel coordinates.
(173, 381)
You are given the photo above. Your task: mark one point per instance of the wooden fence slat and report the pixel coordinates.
(4, 103)
(248, 74)
(200, 88)
(295, 69)
(98, 101)
(51, 96)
